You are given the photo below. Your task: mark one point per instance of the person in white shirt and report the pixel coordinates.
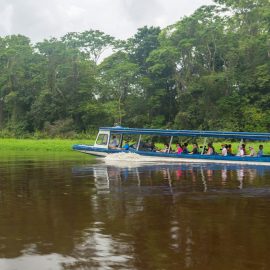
(241, 151)
(224, 151)
(252, 152)
(114, 142)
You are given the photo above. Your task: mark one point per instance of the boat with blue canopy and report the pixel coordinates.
(112, 140)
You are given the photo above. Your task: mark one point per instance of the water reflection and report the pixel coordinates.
(64, 215)
(175, 178)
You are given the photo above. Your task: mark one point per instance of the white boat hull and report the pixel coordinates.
(138, 157)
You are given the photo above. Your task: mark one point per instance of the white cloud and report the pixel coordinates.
(6, 20)
(39, 19)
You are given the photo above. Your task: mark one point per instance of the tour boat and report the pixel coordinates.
(138, 148)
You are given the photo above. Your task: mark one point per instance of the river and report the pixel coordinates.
(61, 212)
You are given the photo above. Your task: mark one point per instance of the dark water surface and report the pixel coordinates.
(66, 213)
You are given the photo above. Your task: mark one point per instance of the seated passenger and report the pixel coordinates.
(229, 150)
(244, 149)
(144, 145)
(114, 143)
(185, 149)
(224, 151)
(210, 150)
(195, 150)
(166, 148)
(149, 146)
(153, 147)
(179, 149)
(252, 152)
(260, 152)
(241, 151)
(126, 145)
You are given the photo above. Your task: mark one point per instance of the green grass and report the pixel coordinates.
(65, 145)
(41, 149)
(43, 145)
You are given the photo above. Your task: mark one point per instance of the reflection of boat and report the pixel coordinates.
(115, 171)
(148, 166)
(138, 151)
(173, 178)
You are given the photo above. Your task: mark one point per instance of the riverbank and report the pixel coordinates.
(40, 145)
(65, 145)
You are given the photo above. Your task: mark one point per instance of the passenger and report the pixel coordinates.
(224, 151)
(244, 149)
(229, 150)
(210, 150)
(145, 145)
(153, 147)
(126, 146)
(195, 149)
(241, 151)
(252, 152)
(179, 149)
(185, 149)
(166, 148)
(260, 152)
(114, 143)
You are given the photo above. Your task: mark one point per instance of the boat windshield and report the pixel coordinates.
(102, 139)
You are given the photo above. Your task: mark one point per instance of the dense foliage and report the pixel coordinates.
(210, 70)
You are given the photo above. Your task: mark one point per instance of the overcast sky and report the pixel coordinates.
(39, 19)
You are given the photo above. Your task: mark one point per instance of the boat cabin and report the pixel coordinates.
(106, 134)
(110, 140)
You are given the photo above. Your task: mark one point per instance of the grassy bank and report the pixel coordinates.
(65, 145)
(44, 145)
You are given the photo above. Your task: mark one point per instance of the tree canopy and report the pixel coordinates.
(210, 70)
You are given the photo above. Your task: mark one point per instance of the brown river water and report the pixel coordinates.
(58, 213)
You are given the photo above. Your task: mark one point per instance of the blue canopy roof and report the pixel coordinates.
(190, 133)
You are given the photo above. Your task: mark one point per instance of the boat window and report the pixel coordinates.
(102, 139)
(131, 139)
(115, 140)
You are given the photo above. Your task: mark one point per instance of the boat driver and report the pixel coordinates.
(114, 142)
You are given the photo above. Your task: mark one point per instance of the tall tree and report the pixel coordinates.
(93, 43)
(19, 81)
(118, 74)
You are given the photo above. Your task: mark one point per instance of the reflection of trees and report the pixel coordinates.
(171, 231)
(179, 233)
(41, 205)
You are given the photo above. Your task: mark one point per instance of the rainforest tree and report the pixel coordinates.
(210, 70)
